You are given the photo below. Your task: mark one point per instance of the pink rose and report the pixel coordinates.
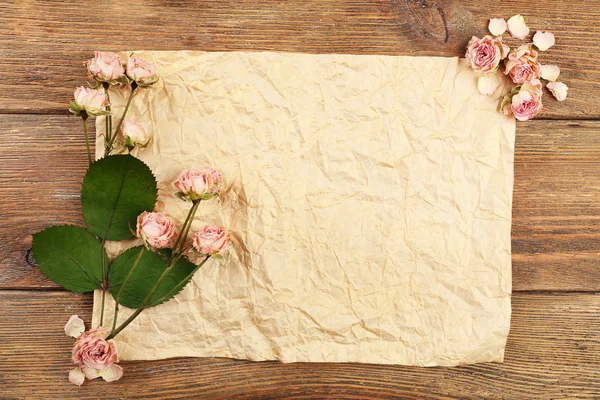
(199, 183)
(106, 67)
(484, 55)
(92, 101)
(140, 71)
(135, 133)
(157, 230)
(211, 240)
(95, 357)
(524, 101)
(522, 65)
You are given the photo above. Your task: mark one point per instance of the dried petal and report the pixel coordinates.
(76, 376)
(516, 26)
(543, 40)
(487, 85)
(90, 373)
(497, 26)
(112, 373)
(74, 326)
(550, 72)
(558, 89)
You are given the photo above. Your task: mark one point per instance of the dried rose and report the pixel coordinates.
(91, 101)
(95, 357)
(106, 67)
(140, 71)
(524, 102)
(211, 240)
(199, 183)
(135, 133)
(522, 65)
(157, 230)
(484, 55)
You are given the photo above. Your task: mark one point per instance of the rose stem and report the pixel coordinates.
(113, 137)
(147, 300)
(184, 236)
(185, 223)
(87, 139)
(108, 133)
(135, 264)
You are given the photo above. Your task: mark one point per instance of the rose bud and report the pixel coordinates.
(211, 240)
(157, 230)
(199, 183)
(522, 65)
(95, 357)
(484, 55)
(135, 133)
(106, 67)
(524, 101)
(141, 72)
(91, 101)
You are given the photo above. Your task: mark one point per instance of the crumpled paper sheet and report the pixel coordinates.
(369, 200)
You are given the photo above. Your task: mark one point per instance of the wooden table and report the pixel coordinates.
(554, 346)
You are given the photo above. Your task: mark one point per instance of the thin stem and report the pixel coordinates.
(87, 139)
(186, 230)
(108, 120)
(135, 264)
(102, 309)
(182, 234)
(118, 128)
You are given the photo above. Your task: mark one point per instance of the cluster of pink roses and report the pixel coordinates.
(521, 65)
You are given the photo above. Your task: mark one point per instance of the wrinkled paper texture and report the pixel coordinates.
(369, 199)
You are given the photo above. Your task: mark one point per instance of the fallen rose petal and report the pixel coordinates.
(516, 26)
(76, 376)
(558, 89)
(497, 26)
(550, 72)
(543, 40)
(112, 373)
(90, 373)
(487, 85)
(74, 327)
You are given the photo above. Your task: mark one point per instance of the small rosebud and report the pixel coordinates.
(92, 101)
(106, 67)
(199, 183)
(135, 134)
(211, 240)
(141, 72)
(157, 230)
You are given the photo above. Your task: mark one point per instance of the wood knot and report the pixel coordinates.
(429, 19)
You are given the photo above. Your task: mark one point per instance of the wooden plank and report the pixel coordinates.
(553, 352)
(44, 43)
(556, 212)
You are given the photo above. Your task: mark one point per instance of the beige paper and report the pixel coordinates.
(369, 199)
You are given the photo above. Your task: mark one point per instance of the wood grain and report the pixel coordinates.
(553, 352)
(556, 211)
(43, 43)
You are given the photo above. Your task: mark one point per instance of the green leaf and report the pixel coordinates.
(69, 256)
(116, 189)
(144, 277)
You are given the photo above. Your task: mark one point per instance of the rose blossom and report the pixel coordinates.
(135, 133)
(106, 67)
(522, 65)
(140, 71)
(524, 102)
(92, 101)
(157, 230)
(211, 240)
(199, 183)
(484, 55)
(95, 357)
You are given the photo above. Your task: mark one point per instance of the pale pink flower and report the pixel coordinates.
(524, 102)
(135, 133)
(211, 240)
(92, 101)
(558, 89)
(157, 230)
(74, 327)
(497, 26)
(106, 67)
(95, 357)
(543, 40)
(516, 26)
(199, 183)
(140, 71)
(484, 55)
(522, 65)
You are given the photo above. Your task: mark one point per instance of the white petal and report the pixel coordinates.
(74, 326)
(516, 26)
(543, 40)
(112, 373)
(558, 89)
(90, 373)
(497, 26)
(76, 376)
(487, 85)
(550, 72)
